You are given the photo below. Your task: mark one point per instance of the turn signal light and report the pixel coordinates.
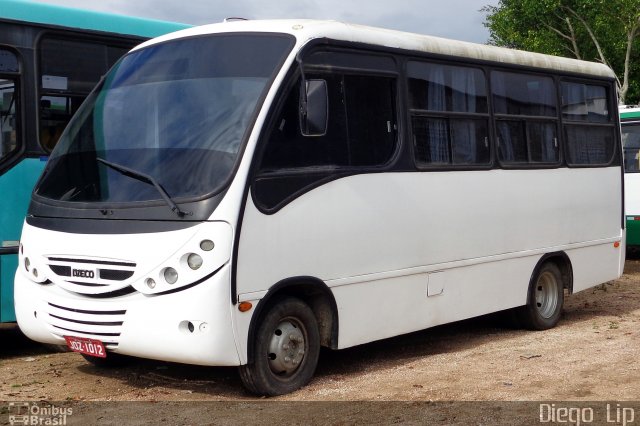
(245, 306)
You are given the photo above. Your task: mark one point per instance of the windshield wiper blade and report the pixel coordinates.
(143, 177)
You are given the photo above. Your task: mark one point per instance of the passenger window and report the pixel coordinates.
(590, 135)
(8, 117)
(449, 115)
(361, 133)
(525, 107)
(69, 70)
(9, 104)
(361, 127)
(631, 143)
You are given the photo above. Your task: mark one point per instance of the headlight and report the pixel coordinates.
(151, 283)
(206, 245)
(170, 275)
(194, 261)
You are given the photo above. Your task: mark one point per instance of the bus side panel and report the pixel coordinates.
(8, 265)
(409, 306)
(15, 189)
(632, 207)
(594, 265)
(388, 226)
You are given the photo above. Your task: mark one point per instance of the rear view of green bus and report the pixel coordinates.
(50, 59)
(630, 123)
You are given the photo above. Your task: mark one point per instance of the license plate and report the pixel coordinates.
(86, 346)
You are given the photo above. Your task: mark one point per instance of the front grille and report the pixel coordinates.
(63, 271)
(99, 324)
(115, 274)
(91, 276)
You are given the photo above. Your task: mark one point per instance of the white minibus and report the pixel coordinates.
(244, 193)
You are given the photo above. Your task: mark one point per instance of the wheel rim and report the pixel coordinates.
(287, 347)
(546, 294)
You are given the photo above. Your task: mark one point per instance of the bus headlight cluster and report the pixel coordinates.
(187, 263)
(31, 268)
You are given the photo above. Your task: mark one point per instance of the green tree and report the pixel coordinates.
(606, 31)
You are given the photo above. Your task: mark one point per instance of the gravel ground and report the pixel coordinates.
(593, 355)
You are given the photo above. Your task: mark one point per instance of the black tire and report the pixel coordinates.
(112, 360)
(544, 299)
(286, 349)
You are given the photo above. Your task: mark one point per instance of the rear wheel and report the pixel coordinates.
(545, 299)
(285, 351)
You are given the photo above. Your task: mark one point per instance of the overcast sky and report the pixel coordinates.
(456, 19)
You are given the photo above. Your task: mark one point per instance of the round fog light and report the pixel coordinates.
(27, 263)
(194, 261)
(150, 283)
(206, 245)
(170, 275)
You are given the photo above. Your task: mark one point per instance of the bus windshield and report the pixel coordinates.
(176, 111)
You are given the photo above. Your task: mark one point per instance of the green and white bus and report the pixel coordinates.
(50, 59)
(243, 193)
(630, 125)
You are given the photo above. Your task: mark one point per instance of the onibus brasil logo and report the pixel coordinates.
(41, 414)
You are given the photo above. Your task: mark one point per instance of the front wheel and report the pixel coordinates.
(545, 299)
(285, 351)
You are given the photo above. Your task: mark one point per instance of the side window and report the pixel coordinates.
(526, 118)
(631, 143)
(361, 130)
(9, 104)
(69, 70)
(361, 133)
(590, 134)
(449, 114)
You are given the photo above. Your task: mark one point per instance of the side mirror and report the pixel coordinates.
(314, 108)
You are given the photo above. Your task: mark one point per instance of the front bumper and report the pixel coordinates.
(192, 326)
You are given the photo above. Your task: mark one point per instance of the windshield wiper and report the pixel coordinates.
(145, 178)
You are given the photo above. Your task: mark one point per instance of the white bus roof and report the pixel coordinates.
(305, 30)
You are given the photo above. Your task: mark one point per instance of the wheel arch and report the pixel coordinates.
(311, 290)
(562, 261)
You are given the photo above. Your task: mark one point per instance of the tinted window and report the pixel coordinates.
(589, 145)
(361, 128)
(8, 117)
(526, 118)
(631, 144)
(584, 102)
(437, 87)
(69, 69)
(448, 106)
(590, 134)
(523, 94)
(8, 61)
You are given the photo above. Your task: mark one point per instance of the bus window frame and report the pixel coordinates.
(613, 112)
(9, 161)
(356, 56)
(557, 120)
(409, 113)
